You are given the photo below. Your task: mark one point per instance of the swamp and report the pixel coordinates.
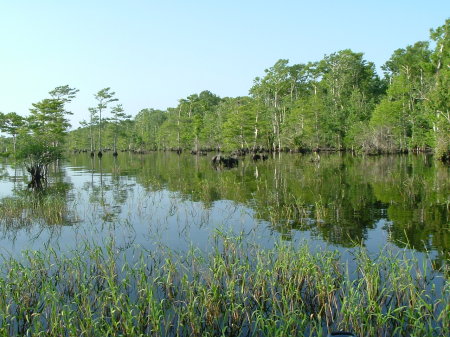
(166, 244)
(316, 204)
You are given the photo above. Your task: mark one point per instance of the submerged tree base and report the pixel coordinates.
(38, 176)
(37, 155)
(236, 290)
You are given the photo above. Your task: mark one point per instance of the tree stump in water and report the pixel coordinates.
(38, 176)
(228, 162)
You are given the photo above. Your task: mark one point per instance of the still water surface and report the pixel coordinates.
(180, 201)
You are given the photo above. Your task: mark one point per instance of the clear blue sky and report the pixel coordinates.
(152, 53)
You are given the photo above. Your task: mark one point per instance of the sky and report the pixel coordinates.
(153, 53)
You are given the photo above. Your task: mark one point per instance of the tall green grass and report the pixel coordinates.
(235, 289)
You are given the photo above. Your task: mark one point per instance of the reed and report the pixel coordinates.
(234, 289)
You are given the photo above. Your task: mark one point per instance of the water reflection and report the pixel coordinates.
(342, 200)
(34, 212)
(106, 188)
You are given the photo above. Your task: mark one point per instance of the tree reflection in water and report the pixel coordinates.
(342, 199)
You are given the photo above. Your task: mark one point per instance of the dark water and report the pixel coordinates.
(179, 201)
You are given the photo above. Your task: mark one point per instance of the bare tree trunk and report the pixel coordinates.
(256, 131)
(178, 128)
(100, 133)
(115, 144)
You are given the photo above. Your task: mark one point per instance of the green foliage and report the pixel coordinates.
(47, 121)
(190, 125)
(240, 122)
(438, 105)
(351, 88)
(439, 108)
(304, 125)
(40, 136)
(64, 93)
(148, 122)
(235, 289)
(336, 103)
(36, 149)
(410, 72)
(298, 106)
(12, 123)
(36, 154)
(117, 120)
(104, 98)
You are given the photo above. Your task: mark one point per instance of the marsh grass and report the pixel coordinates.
(47, 207)
(235, 289)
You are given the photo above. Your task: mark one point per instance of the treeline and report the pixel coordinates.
(337, 103)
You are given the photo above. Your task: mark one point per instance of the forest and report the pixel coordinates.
(339, 103)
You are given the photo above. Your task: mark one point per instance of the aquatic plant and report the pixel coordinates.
(236, 288)
(44, 207)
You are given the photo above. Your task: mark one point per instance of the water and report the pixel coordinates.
(179, 201)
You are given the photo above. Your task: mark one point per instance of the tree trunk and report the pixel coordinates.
(256, 132)
(38, 176)
(115, 147)
(100, 133)
(178, 128)
(115, 142)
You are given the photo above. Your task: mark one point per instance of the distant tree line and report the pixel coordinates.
(337, 103)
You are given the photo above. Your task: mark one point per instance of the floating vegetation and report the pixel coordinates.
(235, 289)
